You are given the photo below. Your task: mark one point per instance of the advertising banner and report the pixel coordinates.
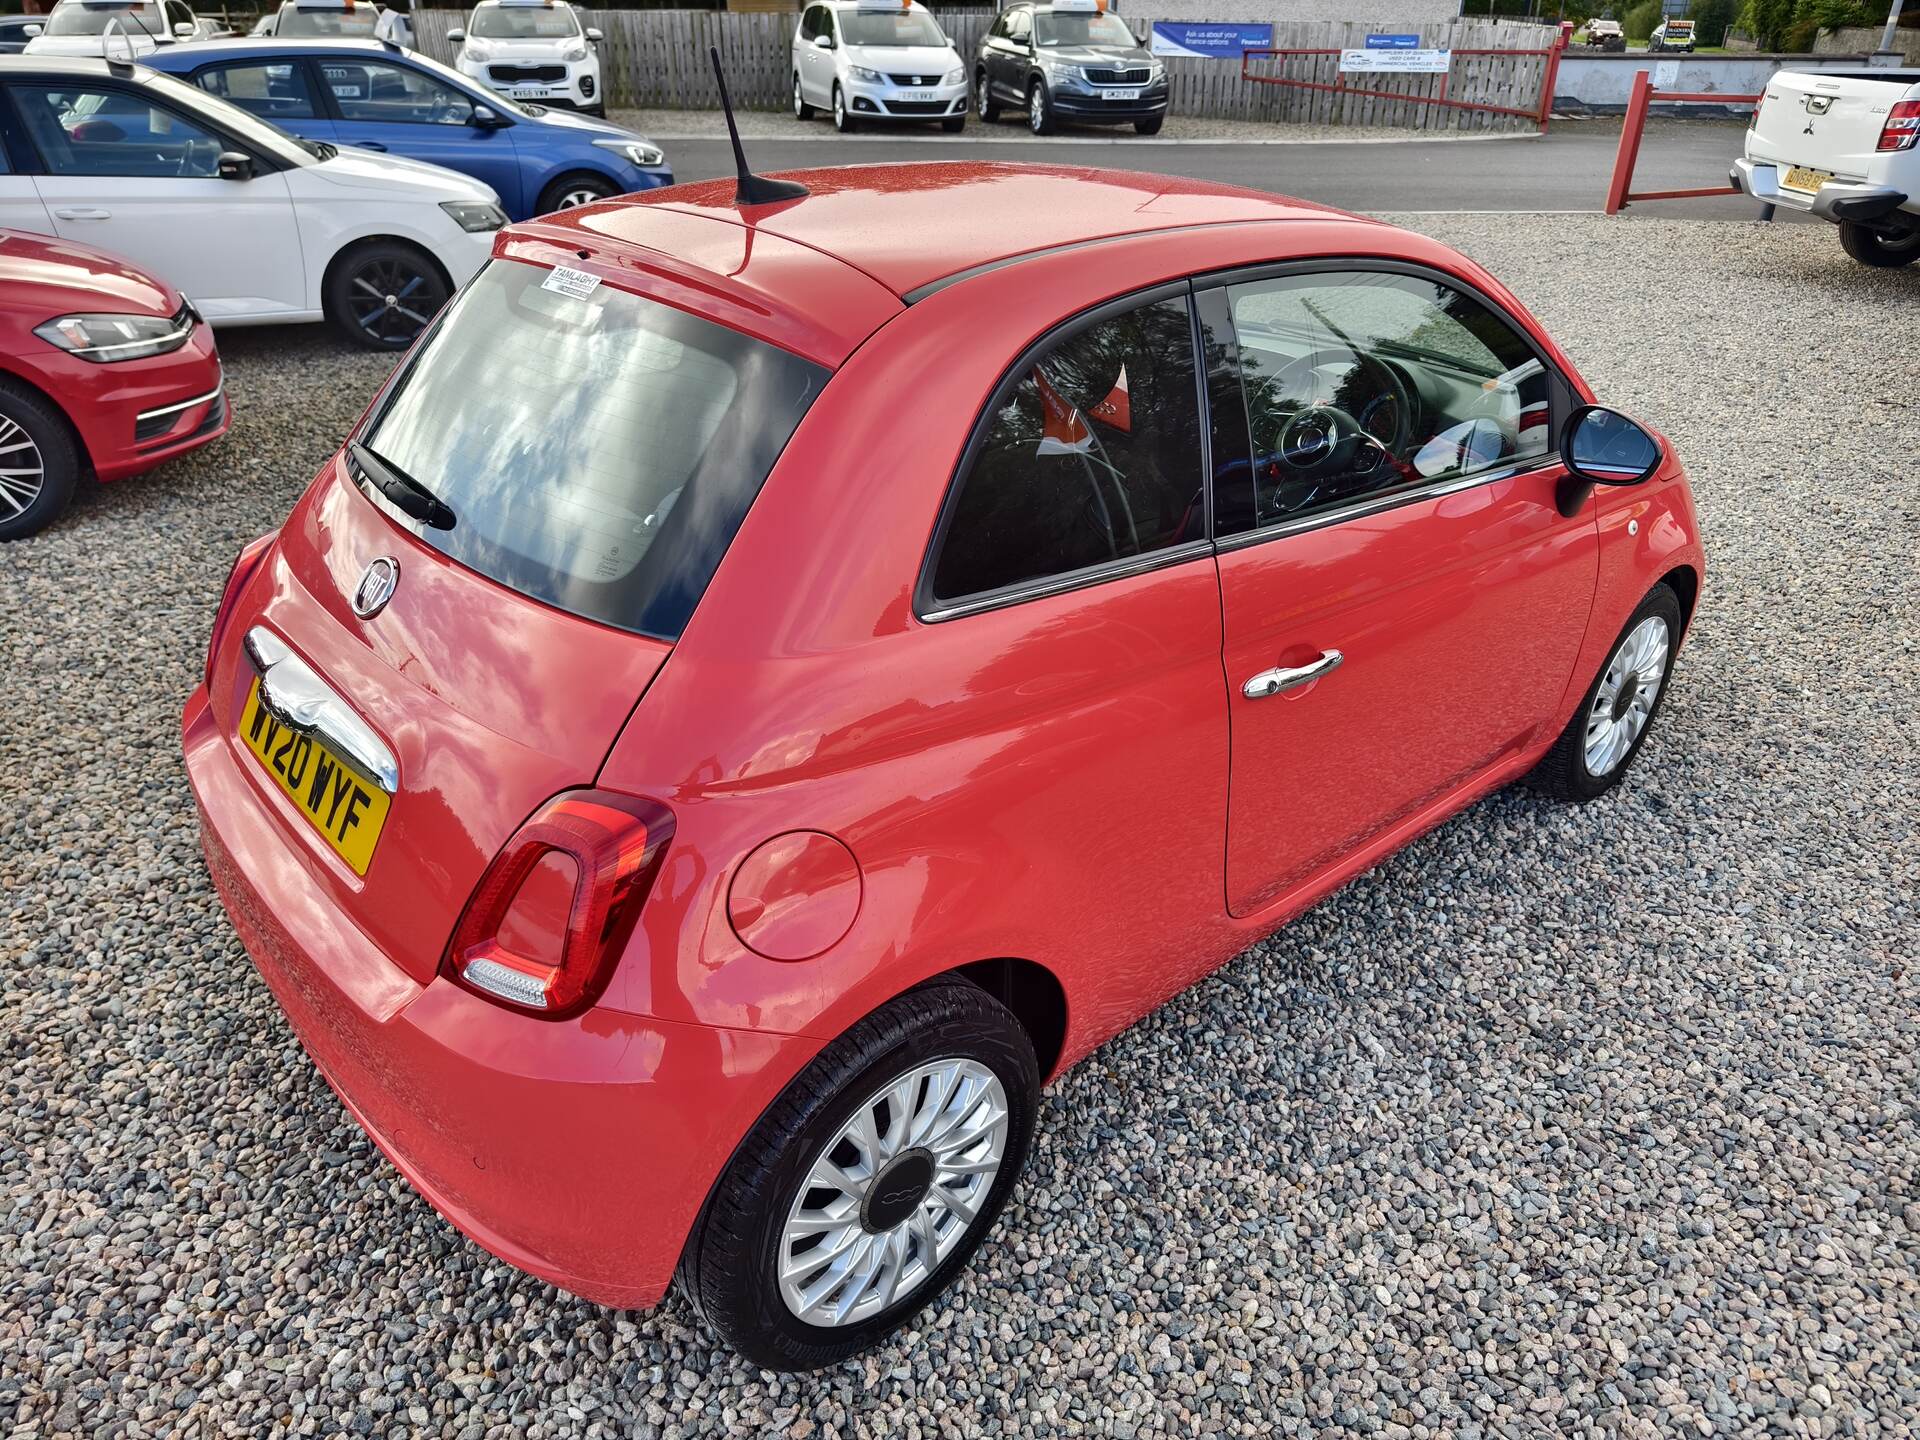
(1209, 40)
(1395, 62)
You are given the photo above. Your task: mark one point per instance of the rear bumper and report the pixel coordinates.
(579, 1151)
(1836, 200)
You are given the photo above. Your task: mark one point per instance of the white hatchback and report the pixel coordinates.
(256, 226)
(81, 27)
(532, 50)
(875, 60)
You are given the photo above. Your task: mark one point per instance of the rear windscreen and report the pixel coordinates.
(598, 450)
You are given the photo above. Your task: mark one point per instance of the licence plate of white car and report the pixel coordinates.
(916, 95)
(1120, 94)
(1801, 178)
(528, 92)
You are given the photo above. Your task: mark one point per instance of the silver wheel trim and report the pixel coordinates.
(831, 1269)
(1037, 109)
(797, 99)
(23, 473)
(980, 103)
(1638, 667)
(580, 195)
(839, 108)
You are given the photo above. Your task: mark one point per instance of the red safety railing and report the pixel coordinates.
(1539, 112)
(1619, 195)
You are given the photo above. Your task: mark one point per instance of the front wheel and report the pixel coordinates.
(1616, 714)
(843, 120)
(1039, 115)
(1875, 247)
(954, 124)
(39, 462)
(868, 1184)
(1149, 127)
(384, 293)
(572, 191)
(984, 102)
(801, 109)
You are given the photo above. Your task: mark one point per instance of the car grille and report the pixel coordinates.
(1119, 77)
(918, 107)
(914, 79)
(517, 73)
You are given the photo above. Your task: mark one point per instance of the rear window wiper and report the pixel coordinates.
(407, 494)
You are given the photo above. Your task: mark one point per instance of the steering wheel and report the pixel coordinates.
(1321, 438)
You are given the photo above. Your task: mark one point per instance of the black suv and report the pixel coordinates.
(1068, 62)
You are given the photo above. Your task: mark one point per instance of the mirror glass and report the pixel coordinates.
(1607, 448)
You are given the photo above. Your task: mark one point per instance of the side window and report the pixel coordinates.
(1359, 383)
(393, 94)
(1020, 27)
(999, 28)
(273, 90)
(1092, 454)
(81, 131)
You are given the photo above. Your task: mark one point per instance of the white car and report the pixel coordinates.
(256, 226)
(1843, 145)
(321, 20)
(532, 50)
(81, 27)
(870, 60)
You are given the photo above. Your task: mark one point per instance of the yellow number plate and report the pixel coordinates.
(1801, 178)
(342, 804)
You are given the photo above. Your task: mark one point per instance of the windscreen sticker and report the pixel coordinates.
(563, 280)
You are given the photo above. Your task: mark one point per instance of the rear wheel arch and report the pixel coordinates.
(1035, 996)
(1684, 581)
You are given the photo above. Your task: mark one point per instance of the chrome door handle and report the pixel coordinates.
(1273, 682)
(84, 214)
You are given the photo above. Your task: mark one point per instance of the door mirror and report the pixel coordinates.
(235, 166)
(183, 31)
(823, 42)
(32, 31)
(594, 37)
(456, 36)
(487, 118)
(1604, 447)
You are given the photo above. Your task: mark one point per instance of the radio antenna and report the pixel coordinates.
(753, 189)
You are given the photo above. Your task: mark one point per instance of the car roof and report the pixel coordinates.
(910, 226)
(274, 45)
(91, 67)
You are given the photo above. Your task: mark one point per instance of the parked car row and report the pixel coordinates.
(889, 60)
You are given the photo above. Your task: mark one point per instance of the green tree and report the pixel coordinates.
(1640, 19)
(1711, 19)
(1768, 21)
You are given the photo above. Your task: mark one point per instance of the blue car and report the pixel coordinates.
(379, 97)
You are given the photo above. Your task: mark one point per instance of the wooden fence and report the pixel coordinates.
(658, 59)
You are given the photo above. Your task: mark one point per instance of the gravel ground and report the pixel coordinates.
(1578, 1121)
(702, 124)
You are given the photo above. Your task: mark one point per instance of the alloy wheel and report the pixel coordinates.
(1625, 699)
(23, 470)
(893, 1193)
(392, 300)
(578, 195)
(1037, 110)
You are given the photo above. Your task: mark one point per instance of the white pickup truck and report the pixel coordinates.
(1843, 145)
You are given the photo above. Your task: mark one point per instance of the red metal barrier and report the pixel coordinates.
(1540, 113)
(1618, 195)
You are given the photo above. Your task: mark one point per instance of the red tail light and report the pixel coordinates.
(237, 578)
(1902, 127)
(543, 935)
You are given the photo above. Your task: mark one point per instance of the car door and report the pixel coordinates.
(1402, 598)
(20, 204)
(1010, 58)
(816, 65)
(388, 104)
(282, 91)
(120, 171)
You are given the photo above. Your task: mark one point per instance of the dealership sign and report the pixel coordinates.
(1395, 60)
(1209, 40)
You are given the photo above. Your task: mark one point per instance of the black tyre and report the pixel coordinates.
(869, 1183)
(1149, 127)
(1616, 714)
(984, 102)
(801, 109)
(39, 461)
(1874, 247)
(1039, 109)
(383, 293)
(571, 191)
(843, 120)
(954, 124)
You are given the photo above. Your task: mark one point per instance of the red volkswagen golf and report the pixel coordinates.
(103, 368)
(766, 686)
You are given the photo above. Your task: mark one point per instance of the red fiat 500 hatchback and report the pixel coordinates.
(765, 686)
(102, 367)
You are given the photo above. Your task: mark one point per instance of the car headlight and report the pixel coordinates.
(872, 77)
(104, 339)
(475, 50)
(637, 152)
(956, 77)
(575, 52)
(475, 216)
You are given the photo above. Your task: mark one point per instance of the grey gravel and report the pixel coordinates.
(1575, 1121)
